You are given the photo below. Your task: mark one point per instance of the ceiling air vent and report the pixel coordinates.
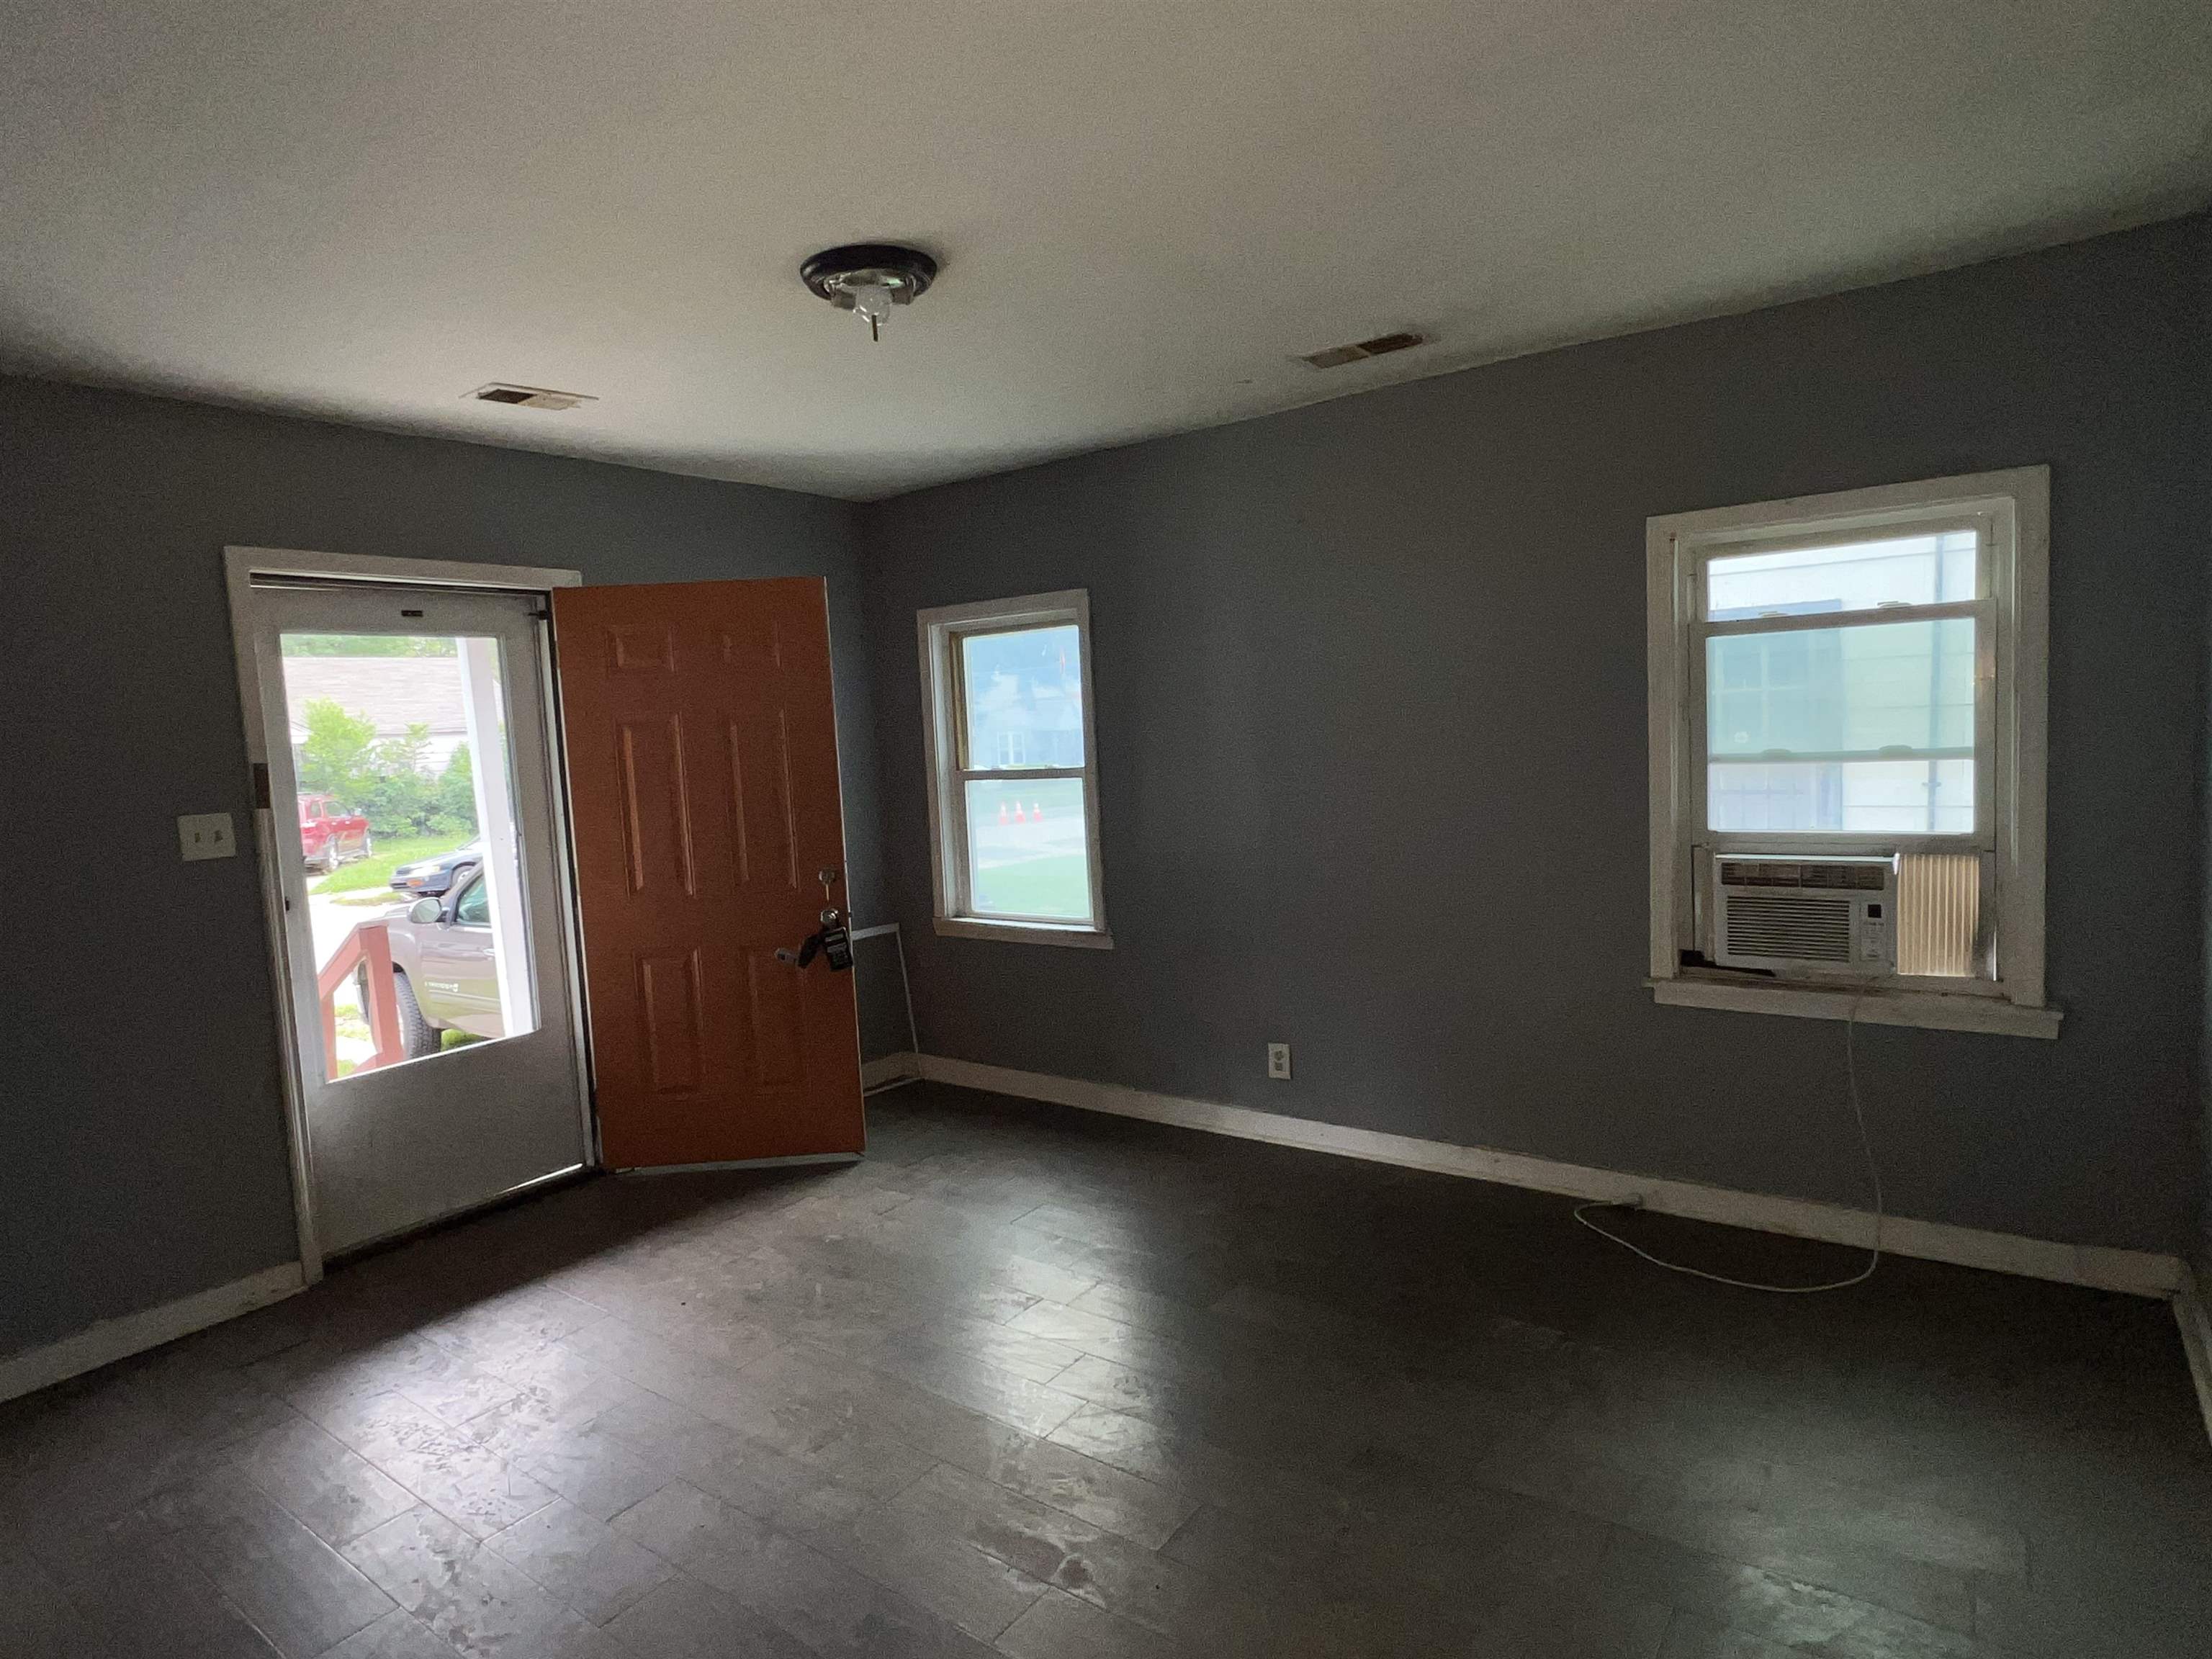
(529, 397)
(1382, 345)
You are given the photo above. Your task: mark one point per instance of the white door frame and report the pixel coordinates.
(241, 565)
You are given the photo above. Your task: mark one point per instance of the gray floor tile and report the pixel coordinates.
(832, 1608)
(398, 1635)
(1059, 1625)
(469, 1596)
(332, 1490)
(297, 1591)
(581, 1560)
(682, 1619)
(934, 1567)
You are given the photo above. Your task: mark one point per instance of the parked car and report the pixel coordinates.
(444, 974)
(437, 875)
(329, 834)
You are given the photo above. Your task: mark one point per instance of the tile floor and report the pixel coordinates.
(1037, 1383)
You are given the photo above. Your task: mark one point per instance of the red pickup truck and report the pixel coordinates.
(329, 834)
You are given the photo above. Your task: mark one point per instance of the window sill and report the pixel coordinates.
(1932, 1010)
(1026, 933)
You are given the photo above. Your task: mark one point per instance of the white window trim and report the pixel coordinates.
(2016, 504)
(937, 631)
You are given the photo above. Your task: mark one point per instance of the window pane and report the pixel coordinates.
(1863, 576)
(1878, 692)
(1915, 798)
(475, 906)
(1028, 852)
(1024, 692)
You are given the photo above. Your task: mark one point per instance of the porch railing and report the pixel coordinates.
(364, 954)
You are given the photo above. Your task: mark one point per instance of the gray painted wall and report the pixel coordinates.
(142, 1150)
(1371, 686)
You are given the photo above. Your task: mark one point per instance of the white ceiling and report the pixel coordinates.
(1145, 211)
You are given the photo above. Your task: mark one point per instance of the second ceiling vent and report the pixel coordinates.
(530, 397)
(1381, 346)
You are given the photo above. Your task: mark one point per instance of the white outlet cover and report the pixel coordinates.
(205, 835)
(1278, 1059)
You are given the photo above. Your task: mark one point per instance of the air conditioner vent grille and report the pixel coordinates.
(1803, 929)
(1859, 878)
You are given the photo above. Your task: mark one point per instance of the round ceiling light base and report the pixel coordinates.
(864, 276)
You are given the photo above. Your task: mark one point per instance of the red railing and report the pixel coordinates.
(365, 952)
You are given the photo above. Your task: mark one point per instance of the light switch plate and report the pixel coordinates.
(206, 836)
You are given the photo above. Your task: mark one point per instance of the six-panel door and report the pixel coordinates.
(702, 758)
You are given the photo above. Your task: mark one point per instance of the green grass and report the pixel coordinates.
(371, 876)
(1058, 885)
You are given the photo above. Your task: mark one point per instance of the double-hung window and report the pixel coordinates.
(1013, 782)
(1847, 754)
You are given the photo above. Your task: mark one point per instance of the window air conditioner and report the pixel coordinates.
(1810, 915)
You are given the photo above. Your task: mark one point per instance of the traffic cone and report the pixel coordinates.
(1038, 812)
(1002, 811)
(1018, 819)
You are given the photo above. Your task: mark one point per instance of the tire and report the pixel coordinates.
(416, 1035)
(332, 857)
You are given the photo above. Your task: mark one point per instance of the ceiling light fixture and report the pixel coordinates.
(869, 278)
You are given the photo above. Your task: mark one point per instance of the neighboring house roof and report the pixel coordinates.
(391, 693)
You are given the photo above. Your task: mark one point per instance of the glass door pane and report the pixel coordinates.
(408, 832)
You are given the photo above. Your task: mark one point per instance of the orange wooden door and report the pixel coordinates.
(702, 782)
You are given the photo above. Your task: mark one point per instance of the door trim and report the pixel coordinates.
(240, 566)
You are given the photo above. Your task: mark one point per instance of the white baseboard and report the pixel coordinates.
(112, 1340)
(790, 1161)
(2138, 1273)
(892, 1068)
(2194, 1318)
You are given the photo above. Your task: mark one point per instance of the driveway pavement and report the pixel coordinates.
(331, 921)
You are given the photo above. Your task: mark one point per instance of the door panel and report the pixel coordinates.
(702, 761)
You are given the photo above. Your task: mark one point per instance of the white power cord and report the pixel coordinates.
(1873, 1174)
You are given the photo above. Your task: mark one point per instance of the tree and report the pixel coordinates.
(388, 779)
(409, 754)
(456, 791)
(366, 645)
(334, 759)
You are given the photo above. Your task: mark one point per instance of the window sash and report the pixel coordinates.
(1693, 632)
(1752, 544)
(956, 641)
(962, 907)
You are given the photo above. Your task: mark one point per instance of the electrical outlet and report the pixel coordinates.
(205, 835)
(1279, 1061)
